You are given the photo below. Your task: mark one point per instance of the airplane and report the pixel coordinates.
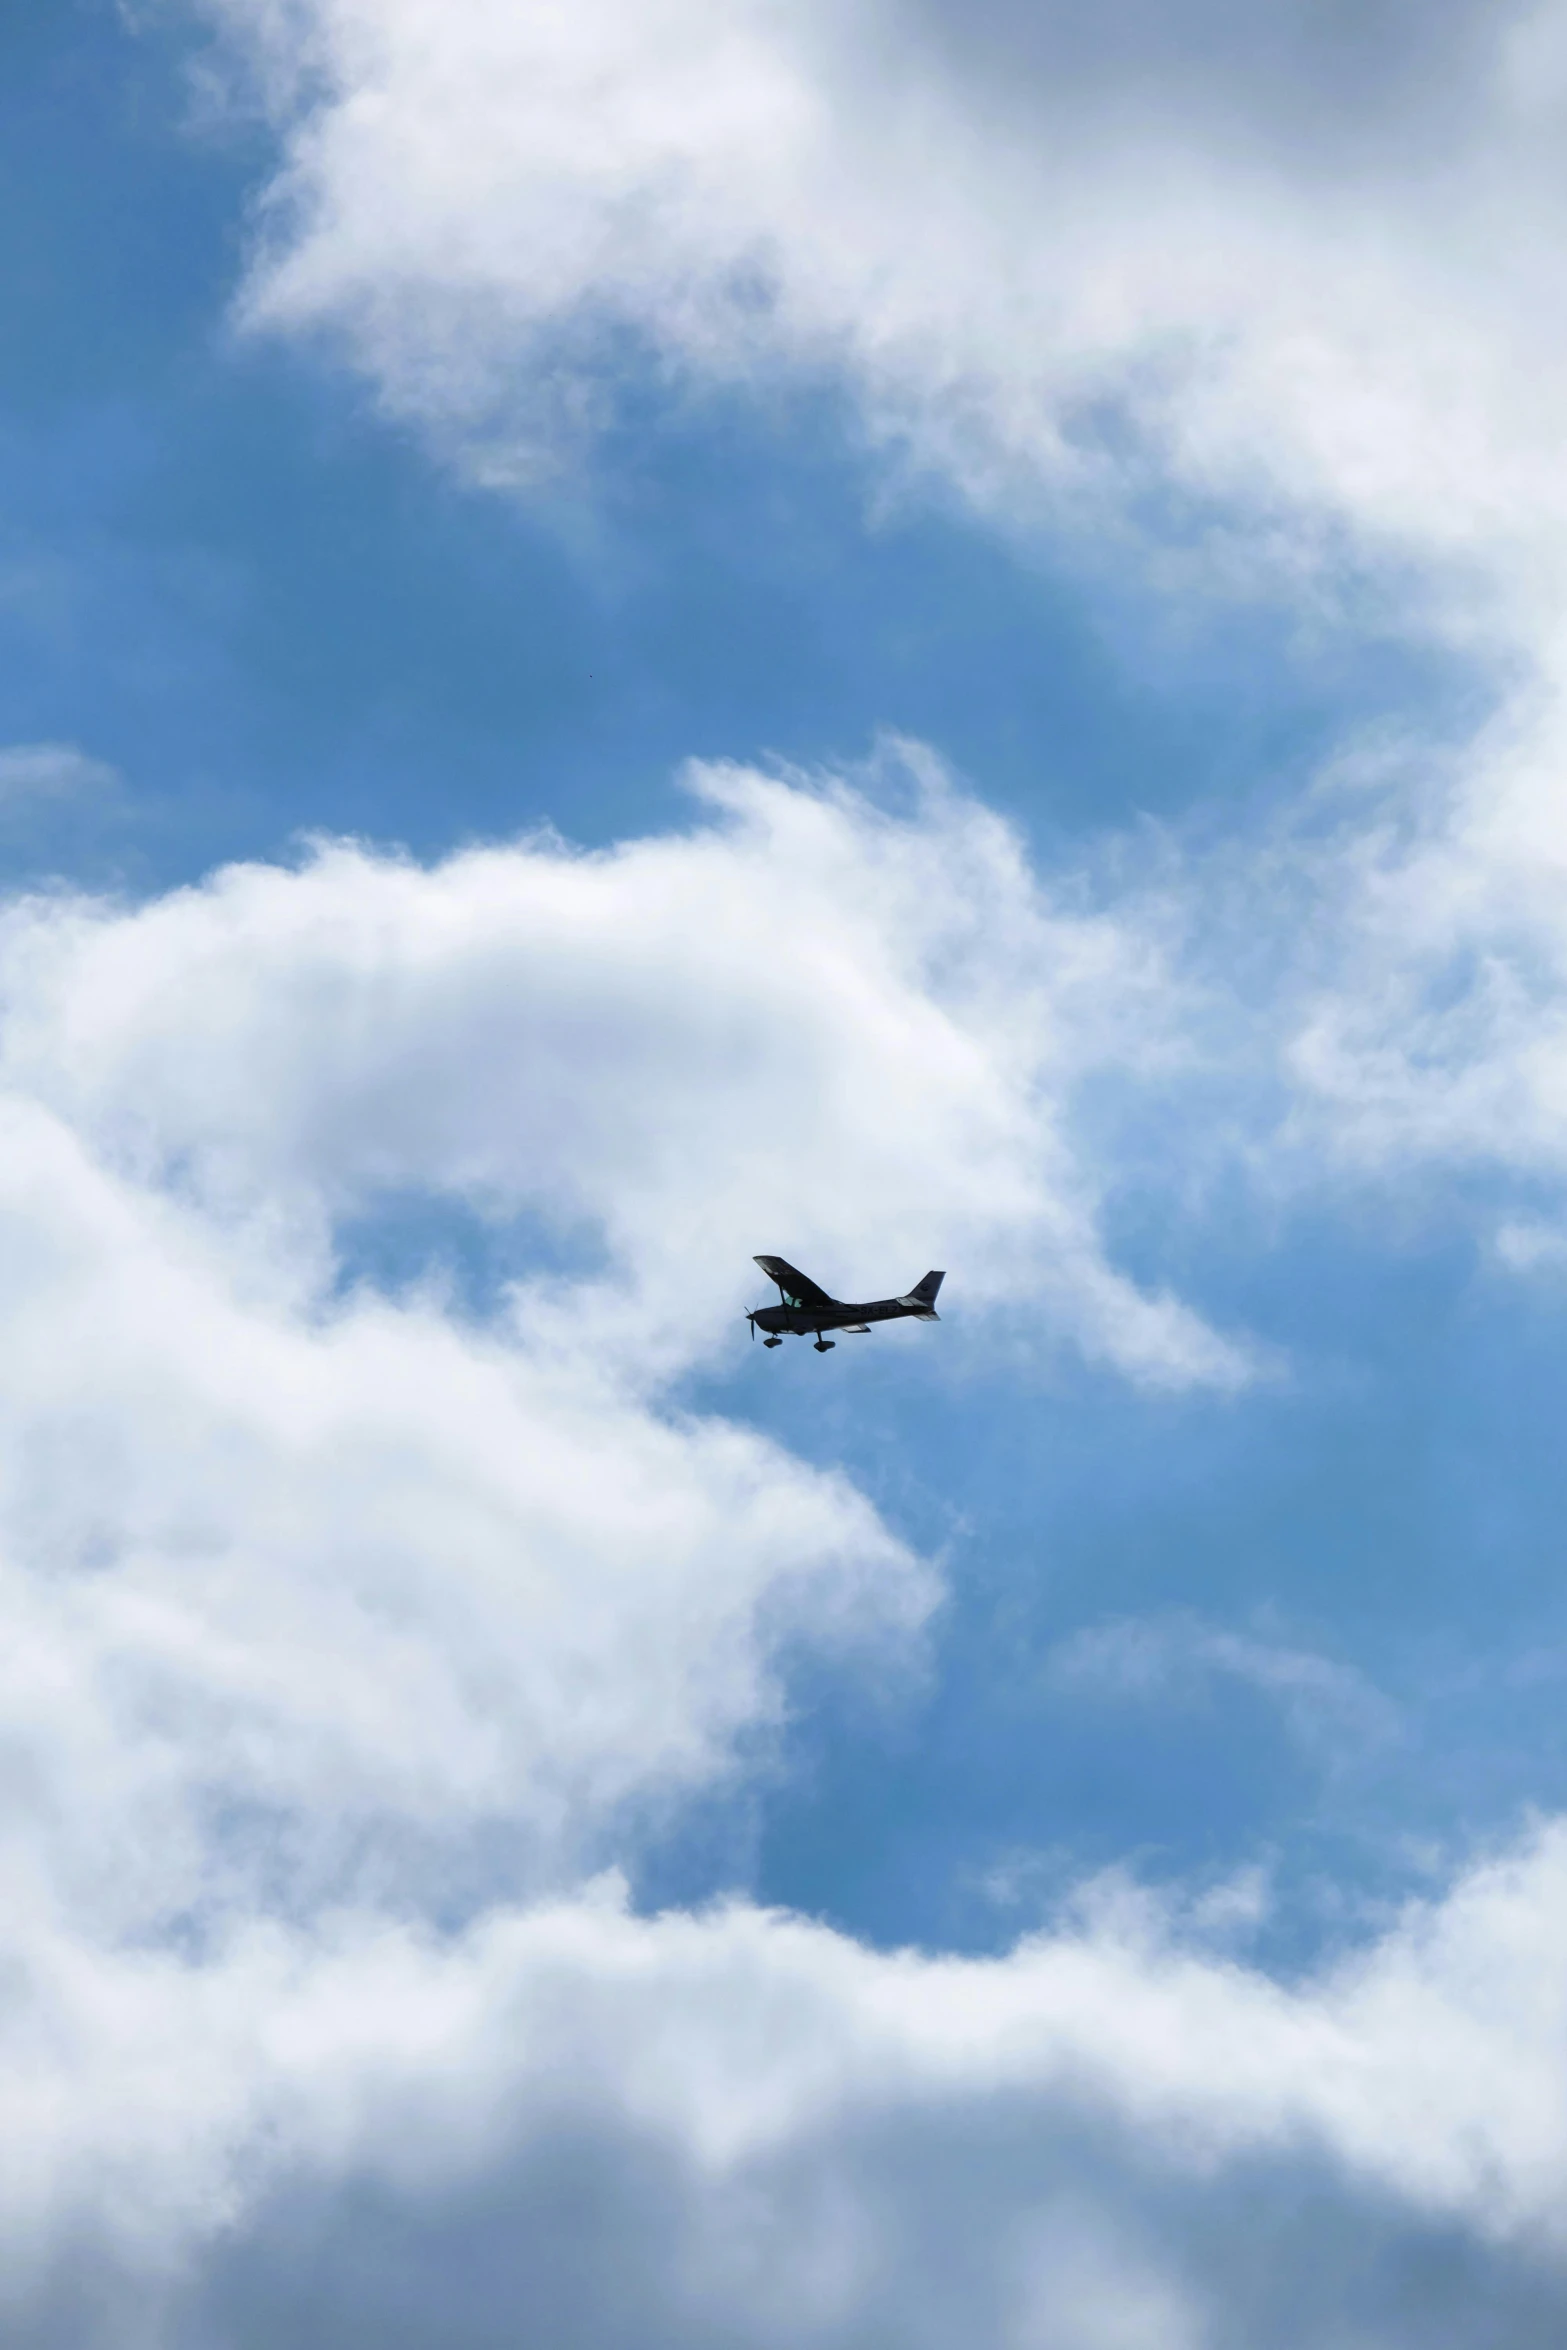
(806, 1308)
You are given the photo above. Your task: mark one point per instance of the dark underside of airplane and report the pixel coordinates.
(806, 1309)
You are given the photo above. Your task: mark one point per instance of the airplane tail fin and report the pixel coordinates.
(921, 1299)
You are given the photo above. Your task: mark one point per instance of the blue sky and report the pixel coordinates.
(1256, 1606)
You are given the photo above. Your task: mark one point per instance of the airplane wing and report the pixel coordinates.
(797, 1289)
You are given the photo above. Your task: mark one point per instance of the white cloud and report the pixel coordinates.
(297, 1602)
(1294, 275)
(335, 1619)
(311, 1590)
(745, 2128)
(1436, 1026)
(1287, 262)
(805, 1025)
(340, 1629)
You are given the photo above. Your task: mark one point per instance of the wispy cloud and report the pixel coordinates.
(1176, 1657)
(34, 772)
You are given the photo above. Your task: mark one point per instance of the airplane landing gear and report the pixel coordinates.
(824, 1346)
(772, 1342)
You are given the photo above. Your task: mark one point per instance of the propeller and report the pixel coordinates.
(751, 1318)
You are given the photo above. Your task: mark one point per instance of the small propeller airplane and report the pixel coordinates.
(806, 1308)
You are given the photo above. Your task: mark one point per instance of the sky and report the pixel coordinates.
(642, 631)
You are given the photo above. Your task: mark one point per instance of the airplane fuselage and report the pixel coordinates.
(806, 1310)
(800, 1321)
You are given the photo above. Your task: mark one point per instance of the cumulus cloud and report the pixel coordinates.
(314, 1585)
(623, 1042)
(344, 1629)
(741, 2127)
(1271, 260)
(302, 1596)
(345, 1620)
(1285, 282)
(347, 1628)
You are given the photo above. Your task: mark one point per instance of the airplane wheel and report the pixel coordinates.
(825, 1345)
(772, 1342)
